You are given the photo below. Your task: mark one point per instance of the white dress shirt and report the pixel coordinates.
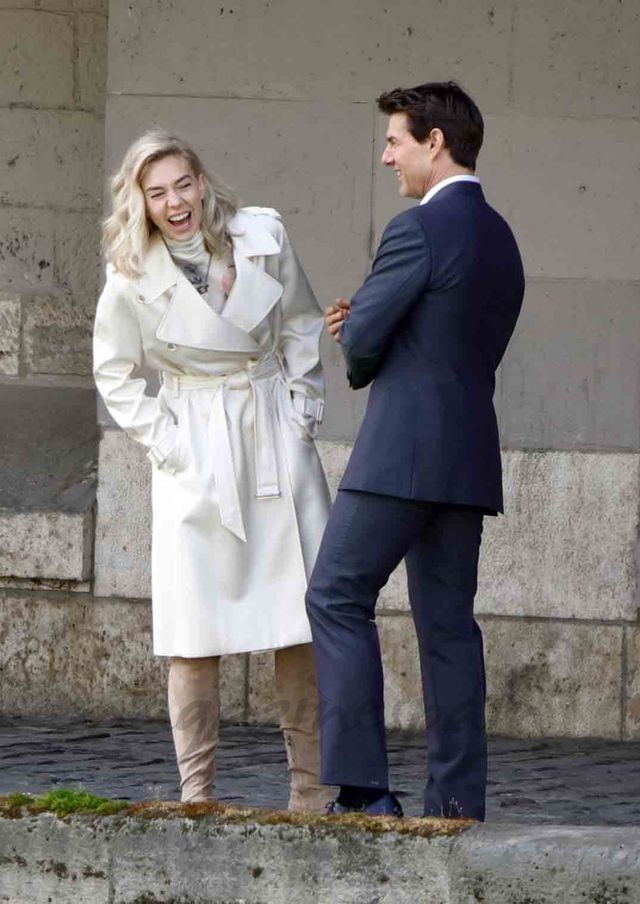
(436, 188)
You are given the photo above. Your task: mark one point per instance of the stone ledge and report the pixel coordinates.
(273, 858)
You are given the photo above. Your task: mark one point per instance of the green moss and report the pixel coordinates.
(62, 802)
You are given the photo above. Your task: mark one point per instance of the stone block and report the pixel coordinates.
(9, 333)
(123, 527)
(632, 689)
(77, 259)
(57, 335)
(26, 249)
(46, 544)
(403, 703)
(262, 709)
(298, 51)
(566, 547)
(70, 654)
(593, 70)
(36, 58)
(573, 210)
(553, 679)
(51, 158)
(562, 388)
(75, 655)
(92, 61)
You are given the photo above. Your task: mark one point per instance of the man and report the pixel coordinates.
(429, 328)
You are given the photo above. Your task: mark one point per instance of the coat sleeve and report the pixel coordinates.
(399, 276)
(117, 360)
(299, 343)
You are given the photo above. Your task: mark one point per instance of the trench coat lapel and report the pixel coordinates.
(188, 320)
(254, 292)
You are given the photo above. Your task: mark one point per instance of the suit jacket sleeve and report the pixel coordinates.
(117, 359)
(299, 341)
(399, 276)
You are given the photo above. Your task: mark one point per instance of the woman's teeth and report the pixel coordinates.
(179, 218)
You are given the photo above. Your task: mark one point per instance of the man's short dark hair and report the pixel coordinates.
(444, 106)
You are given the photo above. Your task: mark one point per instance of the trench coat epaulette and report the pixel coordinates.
(262, 211)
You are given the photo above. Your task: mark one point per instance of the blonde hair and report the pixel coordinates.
(126, 233)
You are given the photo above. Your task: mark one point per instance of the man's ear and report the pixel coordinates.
(436, 140)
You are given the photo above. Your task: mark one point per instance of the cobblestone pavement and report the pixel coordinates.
(542, 781)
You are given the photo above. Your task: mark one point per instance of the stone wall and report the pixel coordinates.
(52, 96)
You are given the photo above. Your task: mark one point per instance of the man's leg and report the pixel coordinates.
(366, 537)
(442, 567)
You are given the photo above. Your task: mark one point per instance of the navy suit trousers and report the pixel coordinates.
(366, 537)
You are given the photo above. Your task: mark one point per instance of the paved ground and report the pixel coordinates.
(541, 782)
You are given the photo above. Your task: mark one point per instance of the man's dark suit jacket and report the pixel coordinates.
(429, 327)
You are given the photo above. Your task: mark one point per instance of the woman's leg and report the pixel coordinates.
(297, 698)
(194, 710)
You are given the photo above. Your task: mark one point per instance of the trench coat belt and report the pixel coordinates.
(266, 463)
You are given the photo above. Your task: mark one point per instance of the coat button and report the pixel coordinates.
(140, 297)
(171, 347)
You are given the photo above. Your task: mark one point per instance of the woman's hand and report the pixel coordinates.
(335, 316)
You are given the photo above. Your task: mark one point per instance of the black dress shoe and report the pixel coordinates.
(387, 805)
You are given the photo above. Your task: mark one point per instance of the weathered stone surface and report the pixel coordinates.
(51, 158)
(57, 334)
(562, 388)
(572, 210)
(92, 61)
(49, 448)
(78, 262)
(253, 58)
(74, 654)
(9, 333)
(262, 709)
(403, 702)
(553, 679)
(632, 690)
(592, 70)
(46, 544)
(566, 547)
(123, 528)
(36, 58)
(92, 860)
(26, 249)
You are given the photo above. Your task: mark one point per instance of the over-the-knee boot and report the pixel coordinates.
(297, 699)
(194, 710)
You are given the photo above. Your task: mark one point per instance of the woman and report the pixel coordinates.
(213, 298)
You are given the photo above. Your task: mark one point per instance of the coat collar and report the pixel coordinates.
(189, 320)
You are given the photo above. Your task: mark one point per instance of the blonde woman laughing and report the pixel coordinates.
(213, 298)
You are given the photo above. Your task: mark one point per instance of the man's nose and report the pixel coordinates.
(387, 158)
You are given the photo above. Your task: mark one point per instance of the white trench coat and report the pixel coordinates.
(239, 496)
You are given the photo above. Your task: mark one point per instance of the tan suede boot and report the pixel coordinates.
(194, 710)
(297, 699)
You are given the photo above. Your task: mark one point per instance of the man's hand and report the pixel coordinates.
(335, 316)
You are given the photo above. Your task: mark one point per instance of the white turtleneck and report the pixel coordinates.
(192, 257)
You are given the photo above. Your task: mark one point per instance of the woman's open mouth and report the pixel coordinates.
(180, 221)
